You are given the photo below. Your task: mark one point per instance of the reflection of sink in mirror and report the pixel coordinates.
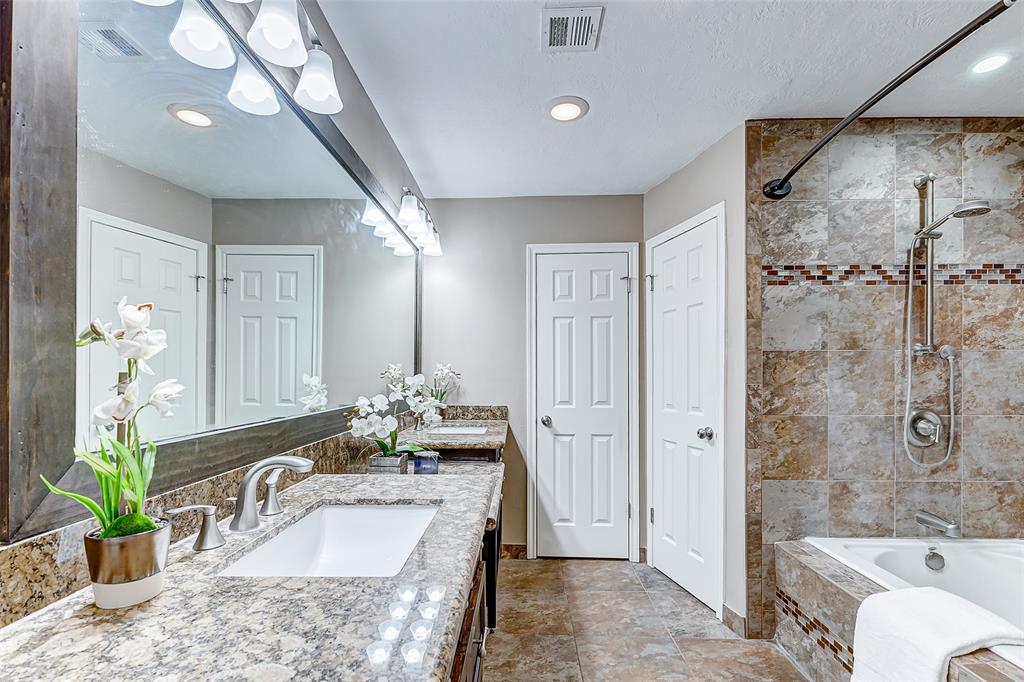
(460, 430)
(344, 540)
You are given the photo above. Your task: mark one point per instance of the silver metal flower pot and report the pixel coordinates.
(128, 570)
(384, 464)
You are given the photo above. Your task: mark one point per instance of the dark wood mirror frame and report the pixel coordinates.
(38, 223)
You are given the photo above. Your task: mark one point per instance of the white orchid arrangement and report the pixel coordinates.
(316, 399)
(445, 379)
(376, 418)
(124, 465)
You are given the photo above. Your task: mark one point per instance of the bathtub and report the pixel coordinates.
(989, 573)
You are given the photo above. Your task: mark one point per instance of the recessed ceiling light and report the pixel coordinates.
(990, 63)
(192, 117)
(568, 108)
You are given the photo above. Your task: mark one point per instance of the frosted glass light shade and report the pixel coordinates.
(434, 248)
(404, 249)
(372, 215)
(384, 230)
(409, 213)
(394, 240)
(317, 90)
(251, 92)
(199, 39)
(156, 3)
(275, 33)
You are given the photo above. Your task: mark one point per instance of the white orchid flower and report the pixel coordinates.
(315, 402)
(363, 405)
(311, 382)
(96, 331)
(380, 402)
(142, 347)
(134, 318)
(165, 395)
(386, 426)
(117, 409)
(415, 382)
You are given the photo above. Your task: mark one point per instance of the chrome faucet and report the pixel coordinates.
(951, 529)
(246, 517)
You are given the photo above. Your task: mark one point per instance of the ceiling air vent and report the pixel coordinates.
(109, 42)
(570, 29)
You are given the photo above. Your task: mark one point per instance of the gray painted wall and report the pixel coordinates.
(474, 301)
(718, 174)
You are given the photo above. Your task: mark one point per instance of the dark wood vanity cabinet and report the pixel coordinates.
(468, 663)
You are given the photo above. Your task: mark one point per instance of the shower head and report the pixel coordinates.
(971, 209)
(968, 209)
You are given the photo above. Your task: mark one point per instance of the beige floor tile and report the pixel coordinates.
(530, 612)
(590, 575)
(622, 614)
(631, 659)
(687, 617)
(516, 658)
(538, 575)
(654, 580)
(734, 660)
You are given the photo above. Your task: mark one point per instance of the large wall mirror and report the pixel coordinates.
(240, 228)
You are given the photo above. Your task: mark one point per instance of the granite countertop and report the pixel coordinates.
(203, 626)
(492, 439)
(496, 470)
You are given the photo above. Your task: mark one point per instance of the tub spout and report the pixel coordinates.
(951, 529)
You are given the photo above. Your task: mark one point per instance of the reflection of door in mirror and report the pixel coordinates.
(268, 329)
(119, 258)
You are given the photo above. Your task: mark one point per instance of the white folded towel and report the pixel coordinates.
(910, 635)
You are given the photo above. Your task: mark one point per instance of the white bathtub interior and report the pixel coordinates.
(989, 573)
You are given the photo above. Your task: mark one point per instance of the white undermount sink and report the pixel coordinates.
(343, 540)
(459, 430)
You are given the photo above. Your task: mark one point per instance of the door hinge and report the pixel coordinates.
(197, 278)
(629, 286)
(629, 510)
(226, 280)
(652, 514)
(650, 281)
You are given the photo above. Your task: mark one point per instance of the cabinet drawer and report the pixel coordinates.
(466, 666)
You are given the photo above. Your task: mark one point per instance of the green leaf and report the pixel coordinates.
(410, 447)
(98, 465)
(82, 500)
(383, 446)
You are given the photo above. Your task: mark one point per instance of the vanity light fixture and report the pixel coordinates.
(251, 92)
(385, 230)
(199, 39)
(317, 90)
(275, 33)
(990, 63)
(191, 117)
(409, 213)
(418, 228)
(393, 241)
(372, 215)
(434, 249)
(156, 3)
(404, 249)
(568, 108)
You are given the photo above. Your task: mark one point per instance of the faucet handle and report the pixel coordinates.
(209, 536)
(272, 505)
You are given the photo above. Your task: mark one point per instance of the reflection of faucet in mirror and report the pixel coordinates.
(246, 517)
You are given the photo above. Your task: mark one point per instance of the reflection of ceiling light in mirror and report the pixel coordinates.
(317, 90)
(275, 34)
(434, 248)
(191, 117)
(199, 39)
(990, 63)
(384, 230)
(568, 108)
(156, 3)
(251, 92)
(404, 249)
(409, 213)
(372, 215)
(394, 240)
(418, 228)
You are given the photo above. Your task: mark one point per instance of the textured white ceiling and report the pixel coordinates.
(462, 85)
(122, 113)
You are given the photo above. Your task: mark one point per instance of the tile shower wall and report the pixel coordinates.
(826, 275)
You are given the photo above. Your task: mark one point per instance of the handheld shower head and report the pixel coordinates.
(968, 209)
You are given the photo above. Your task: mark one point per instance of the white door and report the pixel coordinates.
(144, 264)
(582, 404)
(269, 330)
(685, 364)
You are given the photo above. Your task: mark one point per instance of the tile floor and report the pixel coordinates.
(614, 620)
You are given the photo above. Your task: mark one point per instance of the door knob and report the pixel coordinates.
(545, 420)
(706, 433)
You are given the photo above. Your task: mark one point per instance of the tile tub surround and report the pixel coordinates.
(816, 600)
(42, 569)
(825, 321)
(261, 628)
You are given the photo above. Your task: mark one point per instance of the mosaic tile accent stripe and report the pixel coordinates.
(818, 631)
(832, 275)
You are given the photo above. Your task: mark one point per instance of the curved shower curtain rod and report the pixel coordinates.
(779, 188)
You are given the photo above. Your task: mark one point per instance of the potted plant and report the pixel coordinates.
(445, 380)
(376, 418)
(126, 554)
